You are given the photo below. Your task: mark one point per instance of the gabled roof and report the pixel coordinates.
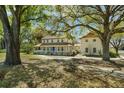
(52, 37)
(56, 43)
(90, 35)
(38, 45)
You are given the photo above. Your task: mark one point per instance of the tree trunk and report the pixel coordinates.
(13, 44)
(116, 49)
(11, 35)
(105, 56)
(12, 51)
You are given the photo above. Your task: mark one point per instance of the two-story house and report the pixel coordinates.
(55, 45)
(91, 44)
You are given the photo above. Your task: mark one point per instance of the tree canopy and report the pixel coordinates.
(105, 20)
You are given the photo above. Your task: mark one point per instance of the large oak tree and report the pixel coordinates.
(11, 33)
(12, 18)
(105, 20)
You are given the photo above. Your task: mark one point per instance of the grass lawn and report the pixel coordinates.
(2, 56)
(24, 57)
(75, 73)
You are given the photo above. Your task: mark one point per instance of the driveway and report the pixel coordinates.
(71, 57)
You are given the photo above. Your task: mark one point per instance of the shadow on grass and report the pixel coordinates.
(27, 75)
(118, 64)
(42, 74)
(10, 77)
(18, 76)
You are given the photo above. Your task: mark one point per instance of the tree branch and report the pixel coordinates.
(31, 19)
(4, 18)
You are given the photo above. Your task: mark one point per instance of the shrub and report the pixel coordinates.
(37, 52)
(113, 54)
(75, 53)
(27, 48)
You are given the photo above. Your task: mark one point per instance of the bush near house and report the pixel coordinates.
(113, 54)
(75, 53)
(27, 48)
(37, 52)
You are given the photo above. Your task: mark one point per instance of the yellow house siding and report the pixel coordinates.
(90, 44)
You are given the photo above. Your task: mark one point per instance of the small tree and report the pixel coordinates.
(116, 42)
(26, 40)
(38, 33)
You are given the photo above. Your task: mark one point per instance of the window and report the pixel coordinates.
(62, 40)
(94, 50)
(86, 40)
(47, 40)
(47, 49)
(94, 40)
(86, 50)
(62, 49)
(44, 41)
(38, 48)
(51, 40)
(44, 48)
(58, 48)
